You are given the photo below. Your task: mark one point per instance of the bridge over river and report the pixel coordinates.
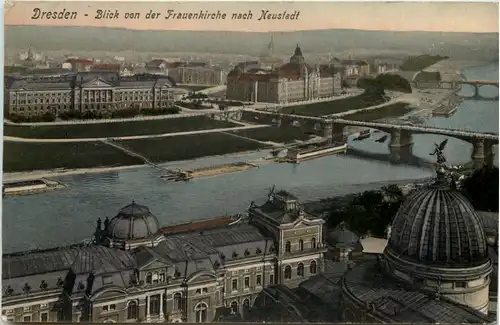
(401, 134)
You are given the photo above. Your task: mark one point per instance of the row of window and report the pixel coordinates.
(25, 309)
(246, 282)
(300, 270)
(44, 318)
(288, 245)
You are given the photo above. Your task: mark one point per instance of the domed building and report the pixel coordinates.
(133, 226)
(439, 265)
(294, 81)
(436, 266)
(342, 243)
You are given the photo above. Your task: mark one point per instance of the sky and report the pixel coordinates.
(391, 16)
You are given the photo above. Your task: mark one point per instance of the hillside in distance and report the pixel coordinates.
(47, 38)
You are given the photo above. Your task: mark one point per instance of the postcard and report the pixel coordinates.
(277, 162)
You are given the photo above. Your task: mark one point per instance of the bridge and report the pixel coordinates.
(401, 140)
(475, 83)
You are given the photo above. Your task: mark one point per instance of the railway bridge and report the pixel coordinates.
(401, 140)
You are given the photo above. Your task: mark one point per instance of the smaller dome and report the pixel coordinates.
(133, 221)
(342, 237)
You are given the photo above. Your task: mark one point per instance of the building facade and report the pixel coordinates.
(439, 265)
(292, 82)
(134, 272)
(193, 73)
(90, 91)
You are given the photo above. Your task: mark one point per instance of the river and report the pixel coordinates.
(68, 216)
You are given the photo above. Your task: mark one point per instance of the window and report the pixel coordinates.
(259, 268)
(201, 313)
(312, 267)
(234, 286)
(44, 306)
(177, 301)
(288, 247)
(205, 290)
(132, 310)
(301, 245)
(247, 282)
(154, 305)
(271, 279)
(246, 304)
(155, 278)
(288, 272)
(105, 308)
(149, 277)
(313, 242)
(198, 291)
(258, 281)
(162, 277)
(300, 269)
(27, 319)
(27, 308)
(234, 307)
(44, 317)
(460, 284)
(235, 272)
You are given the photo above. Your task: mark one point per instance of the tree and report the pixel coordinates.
(481, 188)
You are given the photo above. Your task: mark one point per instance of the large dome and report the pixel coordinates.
(438, 226)
(134, 221)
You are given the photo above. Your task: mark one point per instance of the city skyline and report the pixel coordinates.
(395, 16)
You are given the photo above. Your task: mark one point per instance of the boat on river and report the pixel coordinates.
(382, 139)
(315, 150)
(181, 176)
(365, 134)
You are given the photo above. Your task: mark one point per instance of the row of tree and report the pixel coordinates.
(385, 82)
(372, 211)
(92, 115)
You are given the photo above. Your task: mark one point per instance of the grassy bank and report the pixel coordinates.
(421, 62)
(25, 156)
(195, 87)
(276, 134)
(393, 110)
(121, 129)
(336, 106)
(189, 146)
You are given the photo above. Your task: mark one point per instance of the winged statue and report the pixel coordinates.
(438, 151)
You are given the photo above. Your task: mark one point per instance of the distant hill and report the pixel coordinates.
(481, 45)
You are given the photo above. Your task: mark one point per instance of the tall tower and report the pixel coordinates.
(270, 46)
(31, 55)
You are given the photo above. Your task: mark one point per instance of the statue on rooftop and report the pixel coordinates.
(438, 152)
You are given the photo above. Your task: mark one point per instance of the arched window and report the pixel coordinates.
(201, 312)
(301, 245)
(149, 277)
(246, 304)
(313, 242)
(234, 307)
(288, 272)
(312, 267)
(300, 269)
(177, 301)
(288, 247)
(132, 310)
